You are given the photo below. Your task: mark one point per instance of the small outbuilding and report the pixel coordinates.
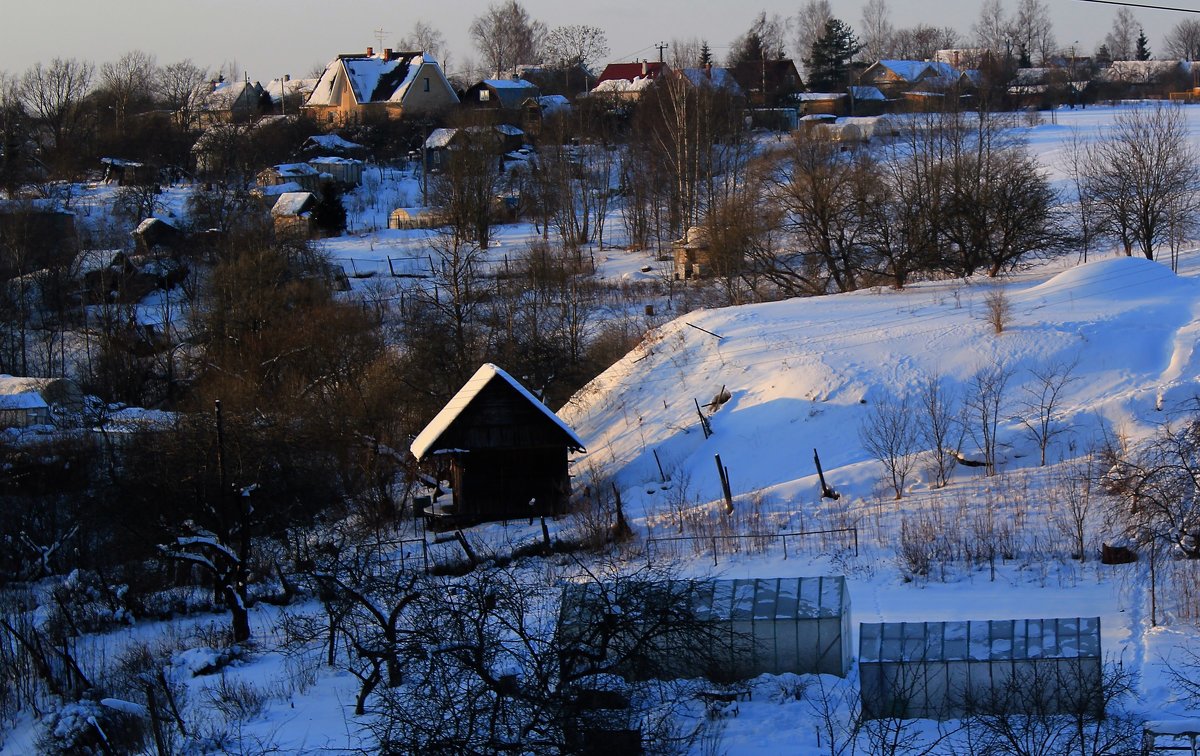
(503, 452)
(946, 670)
(744, 628)
(293, 214)
(347, 172)
(36, 401)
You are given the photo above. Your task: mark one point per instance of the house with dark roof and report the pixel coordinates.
(768, 83)
(511, 101)
(388, 85)
(503, 452)
(628, 80)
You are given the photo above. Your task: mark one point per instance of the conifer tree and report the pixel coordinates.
(829, 61)
(1143, 46)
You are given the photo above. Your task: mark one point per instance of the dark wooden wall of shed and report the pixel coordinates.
(497, 484)
(500, 417)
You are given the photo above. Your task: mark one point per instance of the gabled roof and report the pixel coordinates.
(22, 393)
(374, 78)
(913, 71)
(228, 94)
(294, 203)
(631, 71)
(331, 143)
(721, 78)
(426, 441)
(510, 92)
(1141, 71)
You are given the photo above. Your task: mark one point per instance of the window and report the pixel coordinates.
(485, 95)
(426, 83)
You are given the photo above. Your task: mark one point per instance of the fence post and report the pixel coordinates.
(783, 537)
(390, 268)
(714, 542)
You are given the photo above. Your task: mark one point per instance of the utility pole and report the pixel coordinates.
(661, 46)
(380, 35)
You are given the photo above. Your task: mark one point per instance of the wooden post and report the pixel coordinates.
(621, 529)
(390, 268)
(662, 475)
(545, 535)
(724, 473)
(826, 491)
(704, 426)
(466, 547)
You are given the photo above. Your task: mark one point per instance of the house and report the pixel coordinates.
(500, 94)
(745, 628)
(230, 102)
(768, 83)
(867, 101)
(441, 144)
(292, 214)
(388, 86)
(288, 94)
(25, 402)
(1141, 79)
(945, 670)
(895, 77)
(306, 176)
(823, 103)
(503, 452)
(129, 172)
(345, 171)
(712, 76)
(628, 80)
(332, 144)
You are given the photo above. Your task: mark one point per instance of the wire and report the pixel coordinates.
(1143, 5)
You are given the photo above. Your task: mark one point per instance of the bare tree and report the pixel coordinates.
(1183, 41)
(1034, 31)
(506, 36)
(810, 25)
(181, 86)
(994, 31)
(984, 404)
(890, 434)
(1042, 403)
(921, 42)
(939, 422)
(125, 81)
(53, 94)
(1121, 41)
(999, 310)
(1071, 505)
(877, 31)
(576, 45)
(1143, 175)
(423, 36)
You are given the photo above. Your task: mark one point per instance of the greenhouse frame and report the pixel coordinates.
(946, 670)
(740, 628)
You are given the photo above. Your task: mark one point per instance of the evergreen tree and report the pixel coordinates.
(1143, 46)
(1103, 57)
(330, 213)
(706, 57)
(829, 62)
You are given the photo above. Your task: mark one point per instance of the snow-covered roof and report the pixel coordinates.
(371, 78)
(509, 84)
(553, 103)
(439, 138)
(913, 70)
(227, 94)
(617, 86)
(1140, 71)
(867, 93)
(508, 129)
(274, 190)
(277, 87)
(331, 142)
(819, 96)
(120, 163)
(22, 392)
(335, 161)
(722, 78)
(988, 640)
(426, 439)
(295, 169)
(293, 203)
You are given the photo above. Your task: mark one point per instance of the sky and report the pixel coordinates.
(268, 38)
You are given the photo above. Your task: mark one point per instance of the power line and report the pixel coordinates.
(1146, 6)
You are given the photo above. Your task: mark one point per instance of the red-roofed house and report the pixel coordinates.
(628, 79)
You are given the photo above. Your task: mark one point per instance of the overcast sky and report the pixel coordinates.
(268, 38)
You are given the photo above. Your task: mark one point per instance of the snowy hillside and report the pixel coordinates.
(803, 373)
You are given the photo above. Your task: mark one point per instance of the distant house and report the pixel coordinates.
(503, 452)
(510, 101)
(628, 80)
(712, 76)
(768, 83)
(1139, 79)
(441, 144)
(345, 171)
(129, 172)
(292, 214)
(895, 77)
(306, 176)
(230, 102)
(288, 94)
(332, 144)
(390, 85)
(25, 402)
(822, 103)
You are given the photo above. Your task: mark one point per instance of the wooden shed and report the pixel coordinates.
(503, 451)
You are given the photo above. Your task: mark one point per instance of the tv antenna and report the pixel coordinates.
(380, 34)
(661, 46)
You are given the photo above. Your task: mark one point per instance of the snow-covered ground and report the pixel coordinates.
(804, 375)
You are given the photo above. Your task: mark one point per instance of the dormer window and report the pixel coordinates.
(485, 95)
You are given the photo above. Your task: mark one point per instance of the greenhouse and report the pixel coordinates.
(944, 670)
(722, 629)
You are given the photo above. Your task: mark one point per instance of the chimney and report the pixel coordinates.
(645, 68)
(387, 54)
(370, 51)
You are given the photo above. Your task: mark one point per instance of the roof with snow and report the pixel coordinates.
(913, 71)
(554, 103)
(510, 93)
(276, 88)
(225, 95)
(374, 78)
(867, 93)
(721, 78)
(1141, 71)
(18, 392)
(293, 203)
(428, 440)
(630, 71)
(332, 143)
(439, 138)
